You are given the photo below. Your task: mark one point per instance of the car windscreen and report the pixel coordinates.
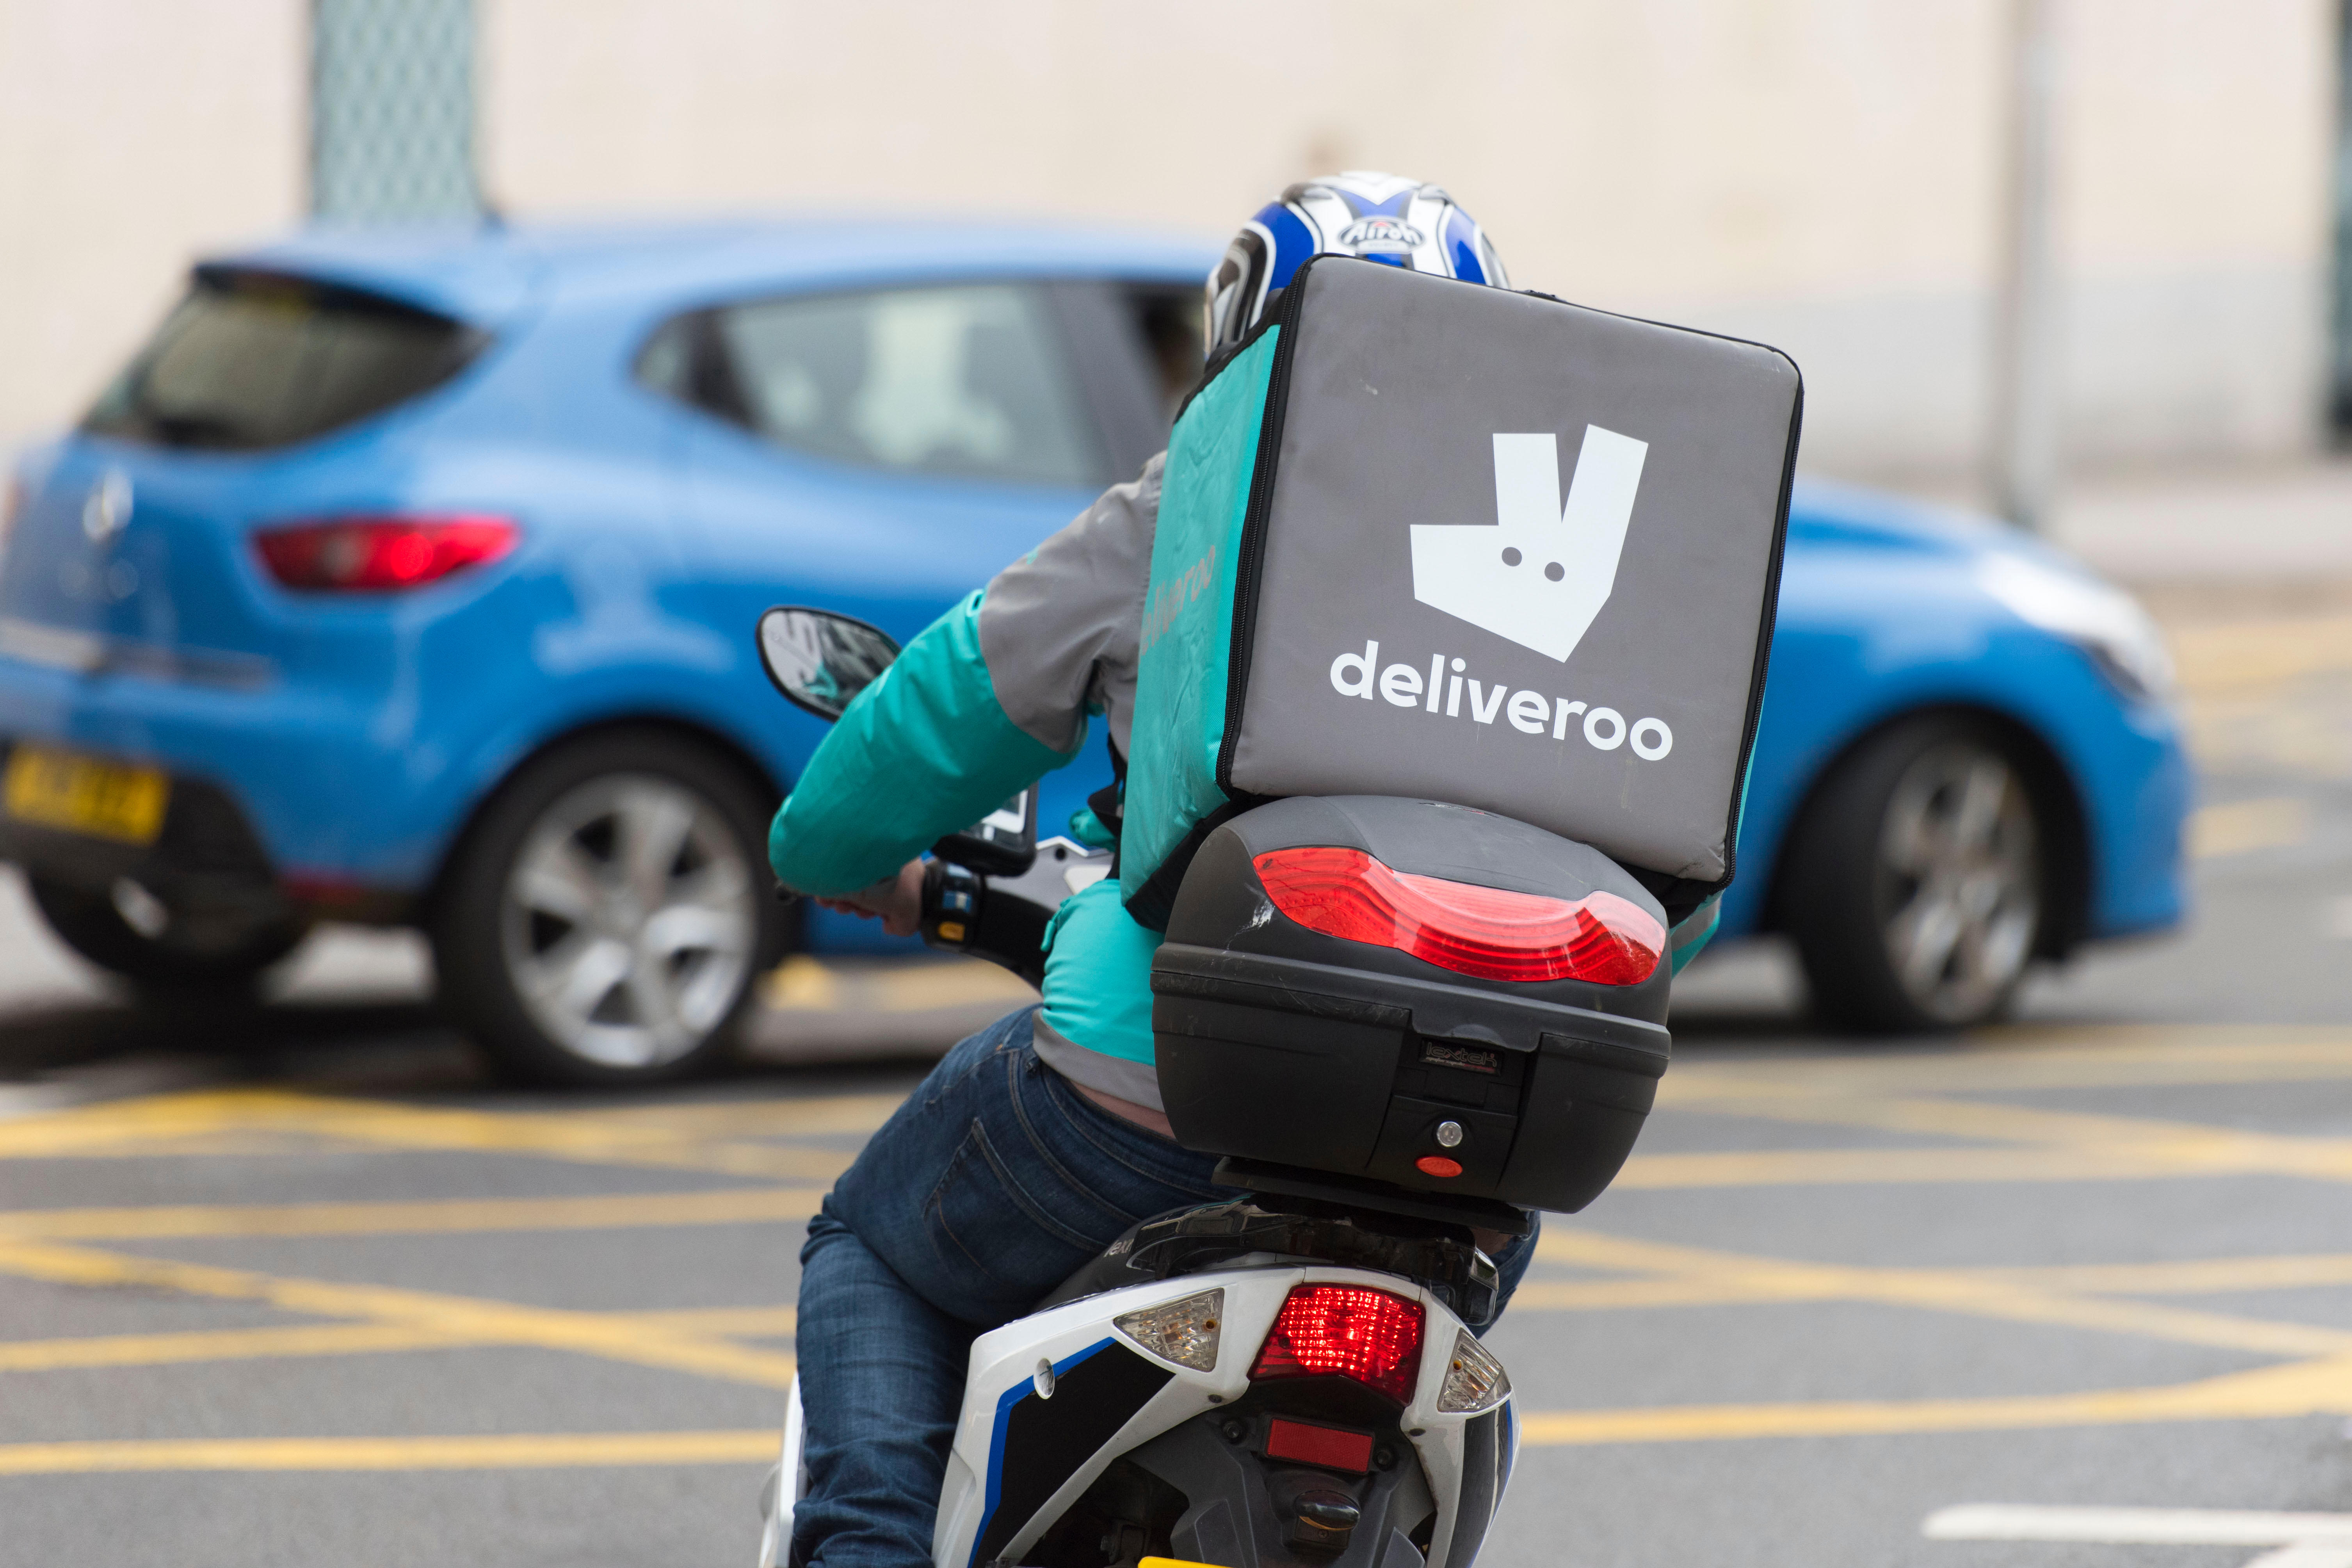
(250, 360)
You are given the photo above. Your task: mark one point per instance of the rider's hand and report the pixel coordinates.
(897, 901)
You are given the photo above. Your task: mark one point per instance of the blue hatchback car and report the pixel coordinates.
(410, 578)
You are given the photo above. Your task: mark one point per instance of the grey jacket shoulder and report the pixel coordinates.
(1059, 627)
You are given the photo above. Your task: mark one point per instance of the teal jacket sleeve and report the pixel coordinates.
(924, 750)
(1694, 932)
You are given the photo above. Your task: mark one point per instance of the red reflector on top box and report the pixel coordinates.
(1490, 932)
(1333, 1448)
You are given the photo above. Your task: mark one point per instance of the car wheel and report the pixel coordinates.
(608, 913)
(130, 930)
(1915, 888)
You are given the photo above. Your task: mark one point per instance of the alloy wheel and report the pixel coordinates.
(628, 921)
(1961, 879)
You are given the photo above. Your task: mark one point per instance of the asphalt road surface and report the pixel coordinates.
(296, 1288)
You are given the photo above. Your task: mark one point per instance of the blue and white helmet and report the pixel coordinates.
(1380, 217)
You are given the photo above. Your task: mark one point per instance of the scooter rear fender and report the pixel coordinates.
(1021, 1456)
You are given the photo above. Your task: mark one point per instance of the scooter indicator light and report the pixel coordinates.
(1491, 933)
(1475, 1380)
(1186, 1331)
(1437, 1165)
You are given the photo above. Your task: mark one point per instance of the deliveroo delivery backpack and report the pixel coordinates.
(1426, 538)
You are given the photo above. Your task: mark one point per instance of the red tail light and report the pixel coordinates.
(1485, 932)
(380, 554)
(1368, 1336)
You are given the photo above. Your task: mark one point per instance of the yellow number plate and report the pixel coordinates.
(84, 795)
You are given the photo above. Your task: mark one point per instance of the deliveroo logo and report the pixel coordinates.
(1542, 574)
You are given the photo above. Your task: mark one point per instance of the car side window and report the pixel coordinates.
(1168, 324)
(968, 380)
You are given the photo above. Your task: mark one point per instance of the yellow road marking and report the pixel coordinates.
(2240, 826)
(2305, 1389)
(1618, 1294)
(725, 1323)
(803, 985)
(698, 1137)
(2195, 1147)
(619, 1339)
(222, 1344)
(800, 984)
(2191, 1276)
(542, 1451)
(1894, 1167)
(2031, 1057)
(2086, 1146)
(1737, 1286)
(1981, 1121)
(144, 1126)
(609, 1212)
(834, 1115)
(577, 1139)
(2007, 1298)
(2302, 1388)
(339, 1338)
(335, 1340)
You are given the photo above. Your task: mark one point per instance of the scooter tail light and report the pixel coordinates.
(380, 554)
(1186, 1331)
(1490, 932)
(1347, 1330)
(1475, 1380)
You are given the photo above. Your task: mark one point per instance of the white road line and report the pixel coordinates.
(2304, 1556)
(2143, 1527)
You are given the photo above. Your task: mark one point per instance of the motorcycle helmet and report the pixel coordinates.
(1382, 217)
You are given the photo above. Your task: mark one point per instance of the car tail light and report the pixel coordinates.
(1485, 932)
(1347, 1330)
(380, 554)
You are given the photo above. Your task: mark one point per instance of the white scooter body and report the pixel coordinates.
(1466, 1466)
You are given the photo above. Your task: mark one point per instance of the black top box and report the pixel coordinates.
(1424, 1050)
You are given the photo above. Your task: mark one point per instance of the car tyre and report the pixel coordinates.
(168, 952)
(1915, 886)
(605, 916)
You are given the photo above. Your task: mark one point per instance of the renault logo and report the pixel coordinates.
(106, 510)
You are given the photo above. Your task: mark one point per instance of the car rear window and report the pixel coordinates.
(250, 360)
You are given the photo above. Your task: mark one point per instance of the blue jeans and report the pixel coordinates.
(987, 1189)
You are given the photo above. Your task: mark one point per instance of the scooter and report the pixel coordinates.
(1293, 1376)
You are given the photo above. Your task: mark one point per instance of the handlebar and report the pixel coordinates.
(1004, 919)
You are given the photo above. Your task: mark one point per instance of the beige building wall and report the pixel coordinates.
(134, 135)
(1823, 173)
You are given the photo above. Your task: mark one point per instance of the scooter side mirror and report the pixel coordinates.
(821, 661)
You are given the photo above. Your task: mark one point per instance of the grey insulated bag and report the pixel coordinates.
(1425, 537)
